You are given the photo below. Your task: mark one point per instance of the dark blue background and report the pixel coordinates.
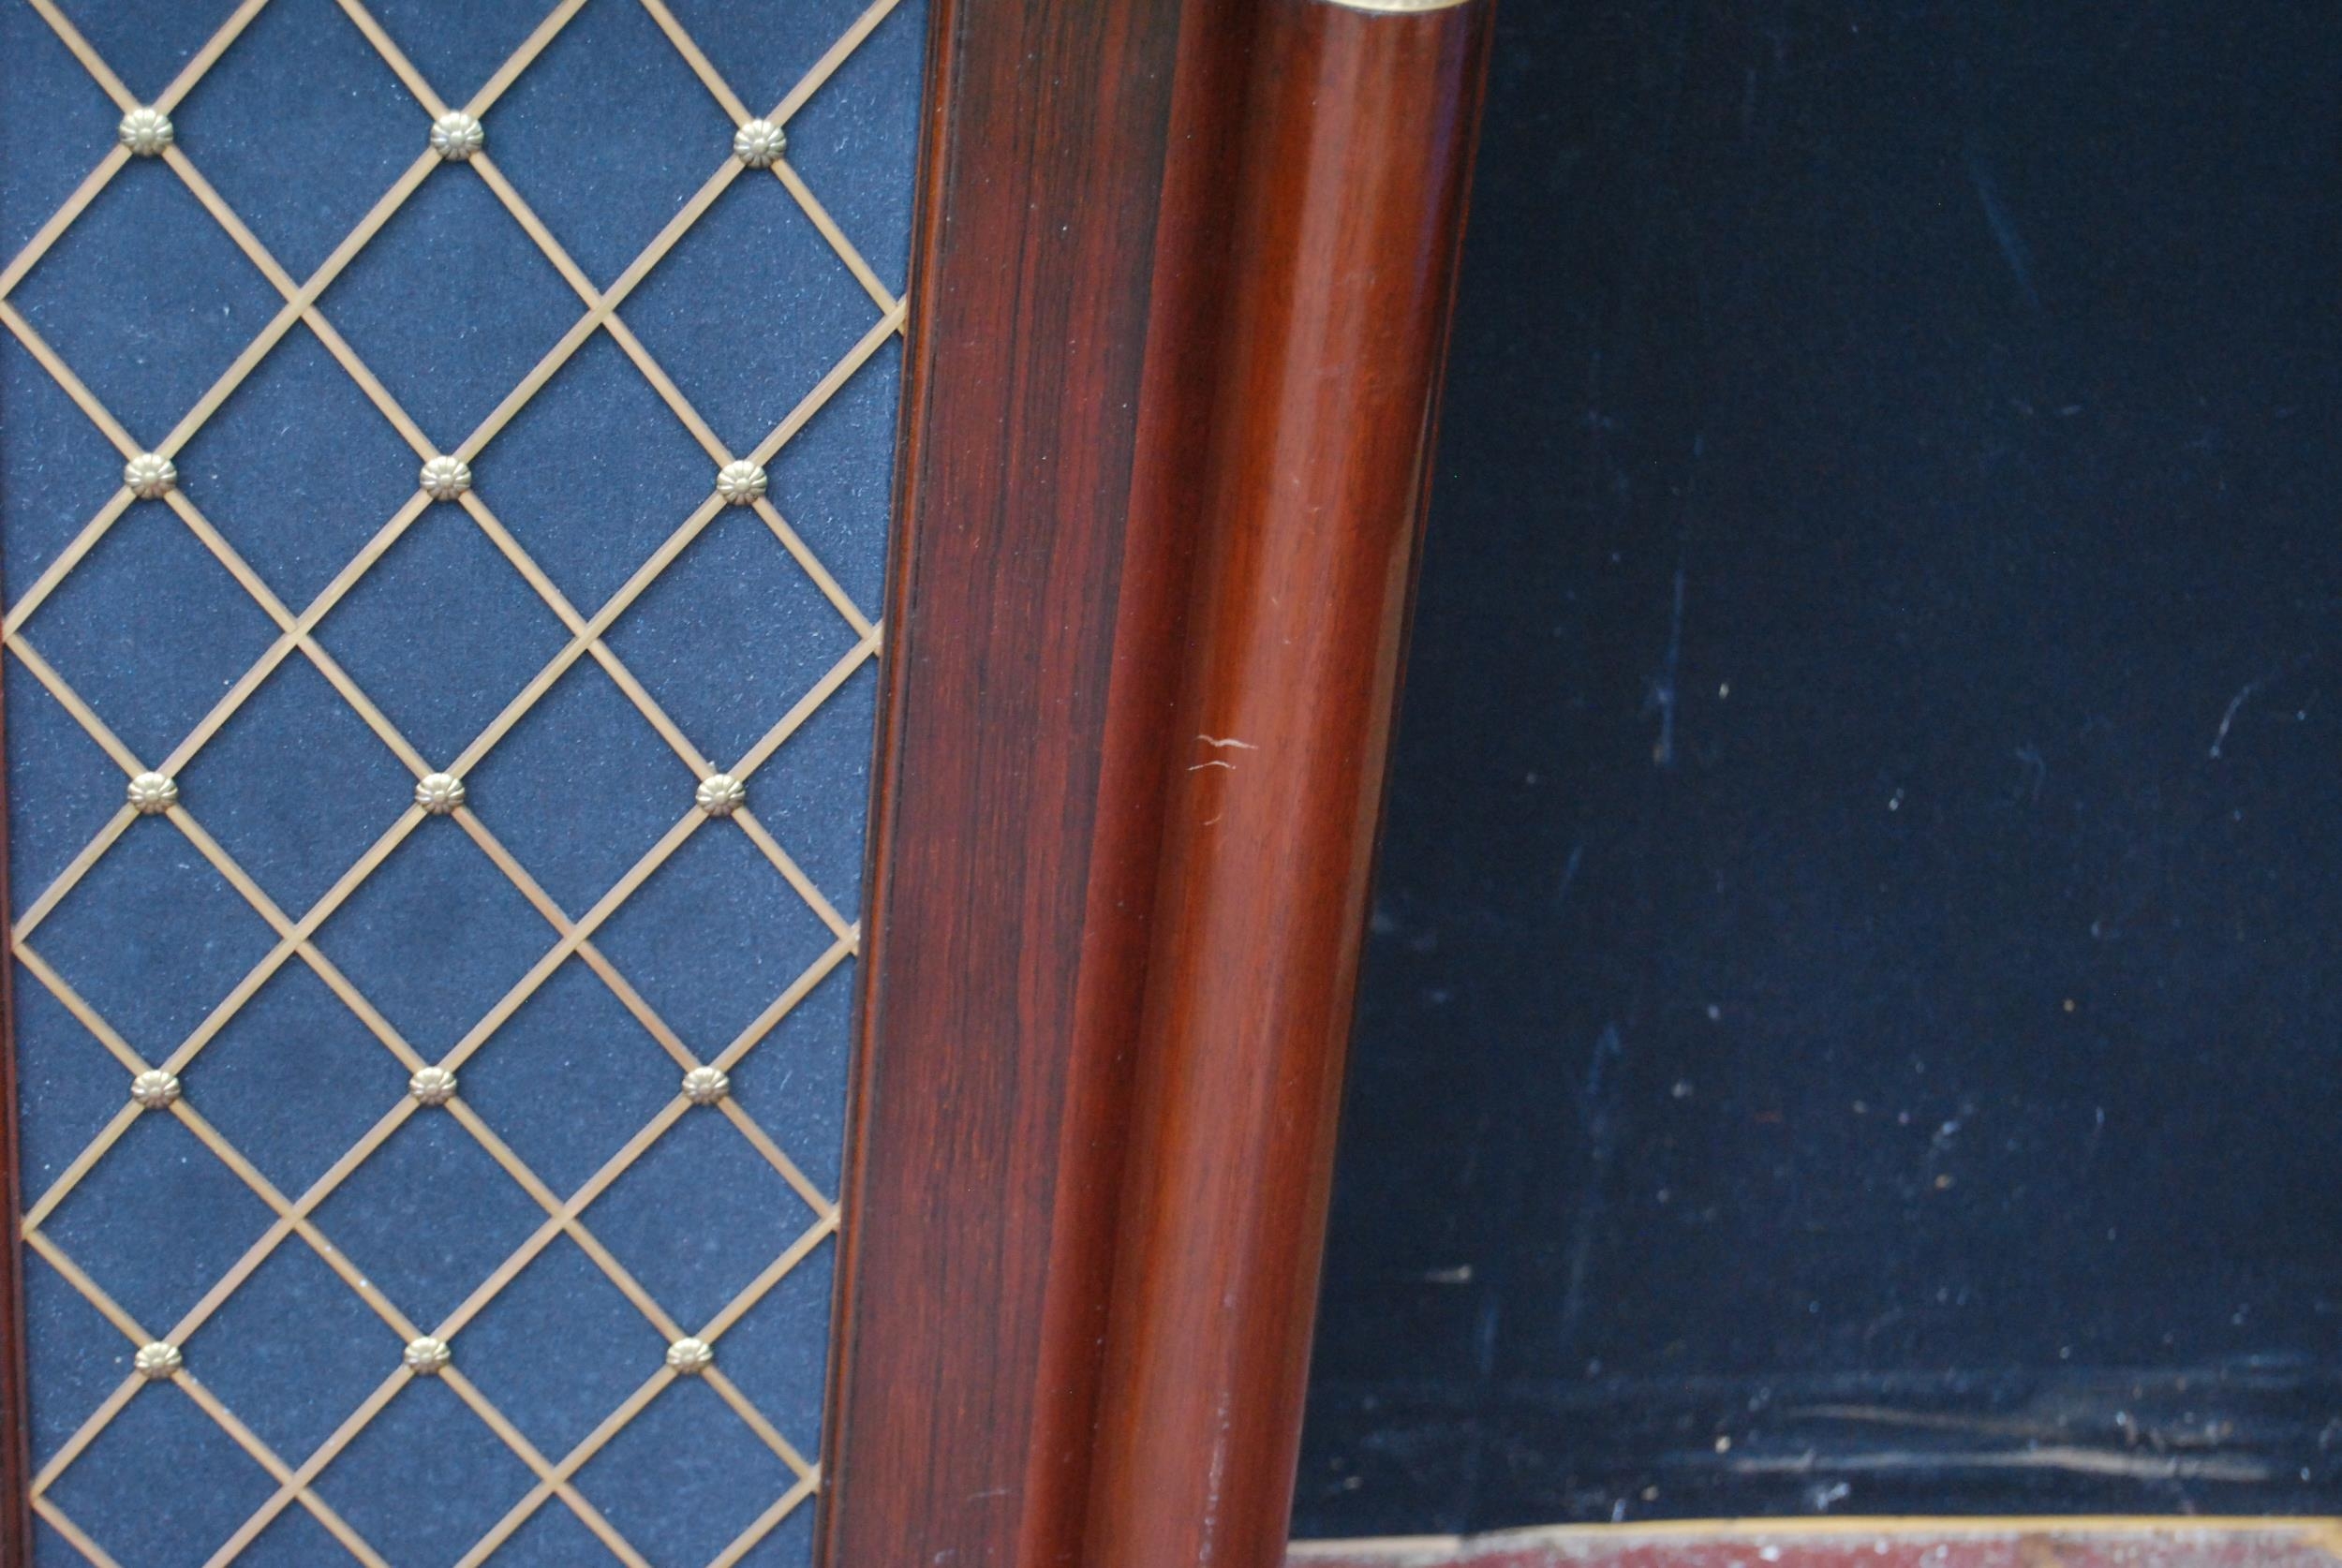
(1836, 1028)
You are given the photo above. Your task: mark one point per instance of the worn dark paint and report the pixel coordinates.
(1850, 1022)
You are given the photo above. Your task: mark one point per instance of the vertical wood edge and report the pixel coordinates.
(16, 1433)
(1080, 415)
(1349, 206)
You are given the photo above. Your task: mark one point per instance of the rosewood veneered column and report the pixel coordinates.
(1348, 208)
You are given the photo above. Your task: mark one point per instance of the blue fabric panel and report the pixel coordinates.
(152, 632)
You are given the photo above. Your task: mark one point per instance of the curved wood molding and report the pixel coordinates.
(1346, 226)
(1180, 290)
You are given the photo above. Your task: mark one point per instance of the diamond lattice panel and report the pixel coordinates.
(444, 474)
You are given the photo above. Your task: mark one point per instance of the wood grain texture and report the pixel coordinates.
(1060, 627)
(1348, 214)
(16, 1435)
(974, 1264)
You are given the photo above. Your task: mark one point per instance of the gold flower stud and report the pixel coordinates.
(438, 792)
(689, 1358)
(432, 1085)
(150, 475)
(741, 483)
(154, 1089)
(705, 1085)
(426, 1357)
(157, 1361)
(760, 143)
(446, 477)
(151, 794)
(145, 132)
(456, 136)
(719, 794)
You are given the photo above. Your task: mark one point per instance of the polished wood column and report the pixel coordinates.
(1178, 296)
(1348, 208)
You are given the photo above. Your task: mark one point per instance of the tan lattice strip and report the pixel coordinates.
(107, 1409)
(70, 1177)
(520, 58)
(228, 703)
(73, 1533)
(289, 930)
(694, 57)
(657, 1383)
(771, 850)
(575, 935)
(204, 58)
(72, 702)
(763, 1143)
(513, 1438)
(75, 870)
(567, 1218)
(573, 940)
(109, 1308)
(827, 226)
(602, 310)
(758, 755)
(834, 56)
(100, 71)
(47, 234)
(285, 1209)
(742, 1305)
(54, 363)
(87, 1015)
(768, 1521)
(554, 1225)
(395, 57)
(111, 84)
(278, 1470)
(310, 1468)
(323, 330)
(511, 549)
(802, 554)
(782, 1005)
(814, 401)
(767, 1433)
(319, 1190)
(571, 1463)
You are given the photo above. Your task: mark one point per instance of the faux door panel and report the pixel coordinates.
(445, 454)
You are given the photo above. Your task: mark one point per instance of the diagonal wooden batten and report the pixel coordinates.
(836, 55)
(828, 227)
(571, 1463)
(79, 45)
(83, 399)
(767, 845)
(203, 59)
(763, 1143)
(693, 56)
(326, 1453)
(96, 180)
(54, 1517)
(523, 57)
(780, 1269)
(588, 1515)
(767, 1433)
(768, 1521)
(278, 1470)
(402, 67)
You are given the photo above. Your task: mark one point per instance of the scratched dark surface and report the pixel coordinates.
(1851, 1018)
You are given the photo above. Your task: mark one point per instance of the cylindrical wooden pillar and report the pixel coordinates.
(1346, 218)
